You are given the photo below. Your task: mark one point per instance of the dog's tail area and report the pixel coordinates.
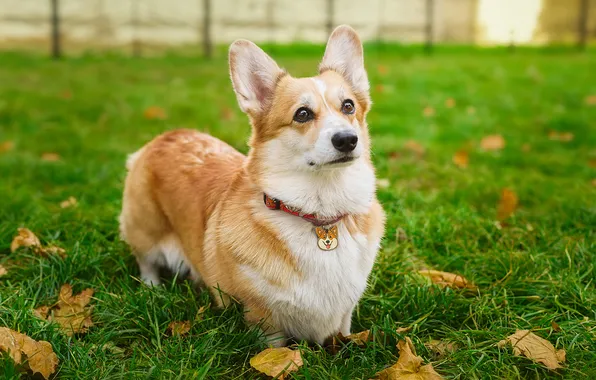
(132, 158)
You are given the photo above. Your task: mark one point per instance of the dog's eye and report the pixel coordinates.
(303, 115)
(348, 107)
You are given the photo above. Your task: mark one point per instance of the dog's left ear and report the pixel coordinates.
(344, 55)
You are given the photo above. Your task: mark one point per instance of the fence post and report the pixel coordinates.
(207, 44)
(330, 14)
(430, 10)
(583, 24)
(55, 27)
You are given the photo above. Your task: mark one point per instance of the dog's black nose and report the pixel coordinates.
(344, 141)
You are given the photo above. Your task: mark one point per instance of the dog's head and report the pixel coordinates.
(306, 124)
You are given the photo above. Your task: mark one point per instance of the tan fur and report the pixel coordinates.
(199, 191)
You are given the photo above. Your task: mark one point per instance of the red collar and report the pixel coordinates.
(276, 204)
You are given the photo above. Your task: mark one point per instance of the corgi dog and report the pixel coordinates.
(291, 230)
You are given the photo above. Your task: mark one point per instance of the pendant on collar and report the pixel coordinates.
(327, 238)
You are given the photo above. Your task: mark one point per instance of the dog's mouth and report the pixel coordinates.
(341, 160)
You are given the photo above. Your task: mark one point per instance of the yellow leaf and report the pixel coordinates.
(38, 356)
(383, 183)
(560, 136)
(526, 343)
(450, 103)
(360, 338)
(590, 100)
(403, 330)
(155, 112)
(507, 204)
(41, 312)
(51, 250)
(461, 159)
(50, 157)
(24, 238)
(179, 328)
(3, 271)
(382, 69)
(414, 147)
(492, 142)
(408, 366)
(451, 280)
(71, 201)
(471, 110)
(428, 111)
(441, 348)
(70, 312)
(5, 146)
(277, 362)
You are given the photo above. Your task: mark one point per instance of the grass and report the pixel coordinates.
(536, 269)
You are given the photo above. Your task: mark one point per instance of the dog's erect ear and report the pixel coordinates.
(344, 55)
(254, 76)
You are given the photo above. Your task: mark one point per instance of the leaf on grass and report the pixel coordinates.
(526, 343)
(470, 110)
(526, 148)
(414, 147)
(428, 111)
(5, 146)
(359, 339)
(71, 201)
(41, 312)
(450, 103)
(383, 183)
(461, 159)
(3, 271)
(492, 143)
(560, 136)
(155, 113)
(507, 204)
(72, 313)
(50, 157)
(408, 366)
(277, 362)
(179, 328)
(594, 182)
(403, 330)
(445, 279)
(382, 69)
(555, 326)
(400, 235)
(24, 238)
(38, 356)
(440, 347)
(227, 113)
(590, 100)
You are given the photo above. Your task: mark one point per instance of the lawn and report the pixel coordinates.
(533, 269)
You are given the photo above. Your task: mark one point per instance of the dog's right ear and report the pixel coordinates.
(254, 76)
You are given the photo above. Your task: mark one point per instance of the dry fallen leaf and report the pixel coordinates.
(5, 146)
(526, 148)
(555, 326)
(451, 280)
(428, 111)
(41, 312)
(24, 238)
(560, 136)
(71, 201)
(440, 347)
(403, 330)
(471, 110)
(414, 147)
(594, 182)
(70, 312)
(383, 183)
(380, 88)
(492, 142)
(382, 69)
(359, 339)
(590, 100)
(408, 366)
(277, 362)
(50, 157)
(155, 113)
(3, 271)
(38, 356)
(461, 159)
(450, 103)
(400, 235)
(227, 113)
(179, 328)
(526, 343)
(507, 204)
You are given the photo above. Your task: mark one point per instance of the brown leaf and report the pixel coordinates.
(360, 338)
(400, 235)
(179, 328)
(507, 204)
(441, 348)
(590, 100)
(414, 147)
(526, 343)
(408, 366)
(461, 159)
(50, 157)
(428, 111)
(5, 146)
(470, 110)
(450, 103)
(403, 330)
(560, 136)
(594, 182)
(555, 326)
(3, 271)
(492, 142)
(227, 113)
(445, 279)
(66, 94)
(526, 148)
(380, 88)
(51, 250)
(38, 356)
(70, 312)
(71, 201)
(24, 238)
(41, 312)
(277, 362)
(155, 113)
(382, 69)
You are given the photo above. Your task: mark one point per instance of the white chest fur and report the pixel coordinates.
(318, 304)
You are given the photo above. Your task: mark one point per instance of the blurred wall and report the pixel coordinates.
(171, 22)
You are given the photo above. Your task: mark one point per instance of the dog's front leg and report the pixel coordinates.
(346, 323)
(257, 318)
